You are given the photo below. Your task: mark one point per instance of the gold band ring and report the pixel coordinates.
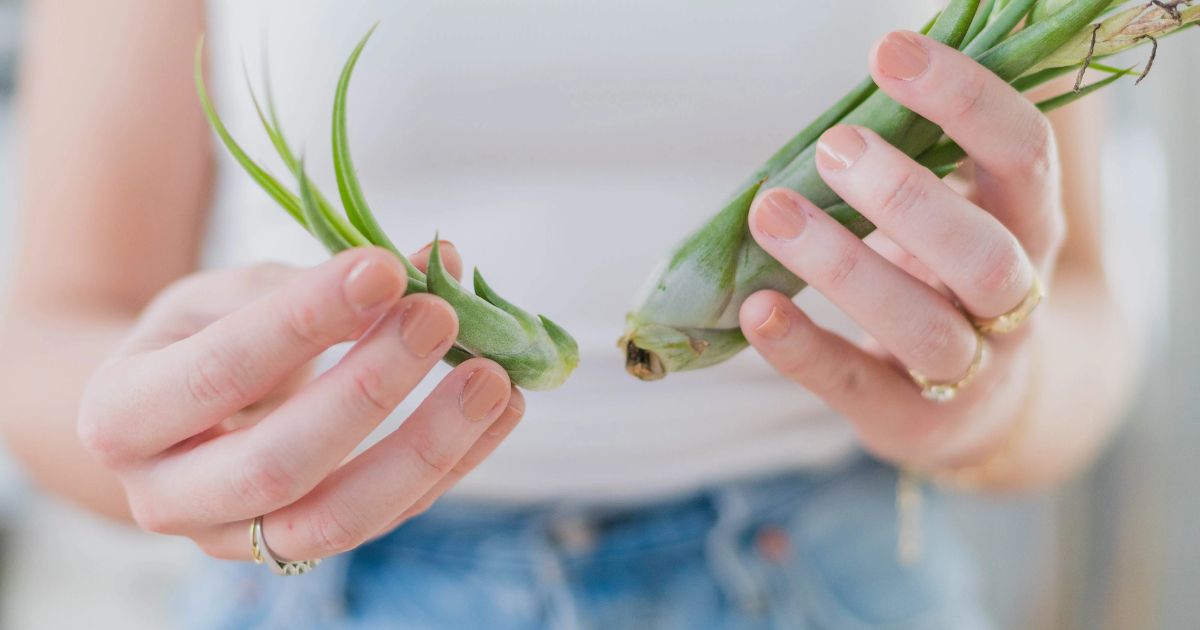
(1012, 320)
(944, 392)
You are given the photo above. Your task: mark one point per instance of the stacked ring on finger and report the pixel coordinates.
(1000, 325)
(980, 250)
(262, 554)
(944, 392)
(1012, 320)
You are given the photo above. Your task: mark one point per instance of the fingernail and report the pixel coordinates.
(901, 56)
(443, 245)
(503, 423)
(483, 392)
(776, 325)
(370, 284)
(424, 327)
(840, 147)
(779, 216)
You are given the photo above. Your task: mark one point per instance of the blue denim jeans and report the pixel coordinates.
(812, 550)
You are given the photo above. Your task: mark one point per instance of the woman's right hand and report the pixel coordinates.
(208, 416)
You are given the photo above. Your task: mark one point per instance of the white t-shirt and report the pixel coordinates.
(564, 147)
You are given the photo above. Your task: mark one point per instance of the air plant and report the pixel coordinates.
(687, 316)
(537, 353)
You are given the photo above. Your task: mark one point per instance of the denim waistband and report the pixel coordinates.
(813, 546)
(480, 532)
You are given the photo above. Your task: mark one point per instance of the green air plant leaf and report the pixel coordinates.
(319, 225)
(537, 353)
(347, 177)
(346, 232)
(277, 191)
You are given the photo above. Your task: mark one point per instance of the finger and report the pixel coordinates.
(450, 258)
(968, 249)
(367, 492)
(915, 323)
(145, 403)
(270, 465)
(883, 404)
(896, 255)
(191, 304)
(1009, 140)
(483, 448)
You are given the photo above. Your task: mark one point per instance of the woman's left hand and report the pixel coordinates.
(946, 258)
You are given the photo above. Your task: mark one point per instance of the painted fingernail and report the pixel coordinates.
(776, 325)
(424, 326)
(484, 390)
(901, 56)
(506, 420)
(370, 284)
(780, 216)
(840, 147)
(442, 245)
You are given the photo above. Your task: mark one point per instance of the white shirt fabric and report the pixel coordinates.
(564, 147)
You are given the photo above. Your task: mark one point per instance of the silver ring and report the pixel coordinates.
(262, 554)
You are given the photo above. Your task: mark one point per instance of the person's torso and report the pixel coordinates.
(564, 148)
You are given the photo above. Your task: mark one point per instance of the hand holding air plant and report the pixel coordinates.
(537, 353)
(209, 415)
(949, 383)
(687, 317)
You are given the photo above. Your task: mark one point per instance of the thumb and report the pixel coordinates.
(450, 258)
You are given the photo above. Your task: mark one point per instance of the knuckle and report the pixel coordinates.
(1000, 270)
(434, 459)
(335, 528)
(94, 430)
(305, 324)
(817, 367)
(969, 99)
(932, 338)
(264, 482)
(370, 389)
(105, 445)
(1034, 155)
(836, 379)
(905, 195)
(841, 267)
(213, 381)
(150, 516)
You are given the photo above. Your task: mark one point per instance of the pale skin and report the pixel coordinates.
(941, 254)
(169, 394)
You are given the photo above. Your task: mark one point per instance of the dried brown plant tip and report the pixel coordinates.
(1087, 61)
(1171, 7)
(1150, 63)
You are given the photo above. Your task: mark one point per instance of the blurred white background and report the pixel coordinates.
(1115, 550)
